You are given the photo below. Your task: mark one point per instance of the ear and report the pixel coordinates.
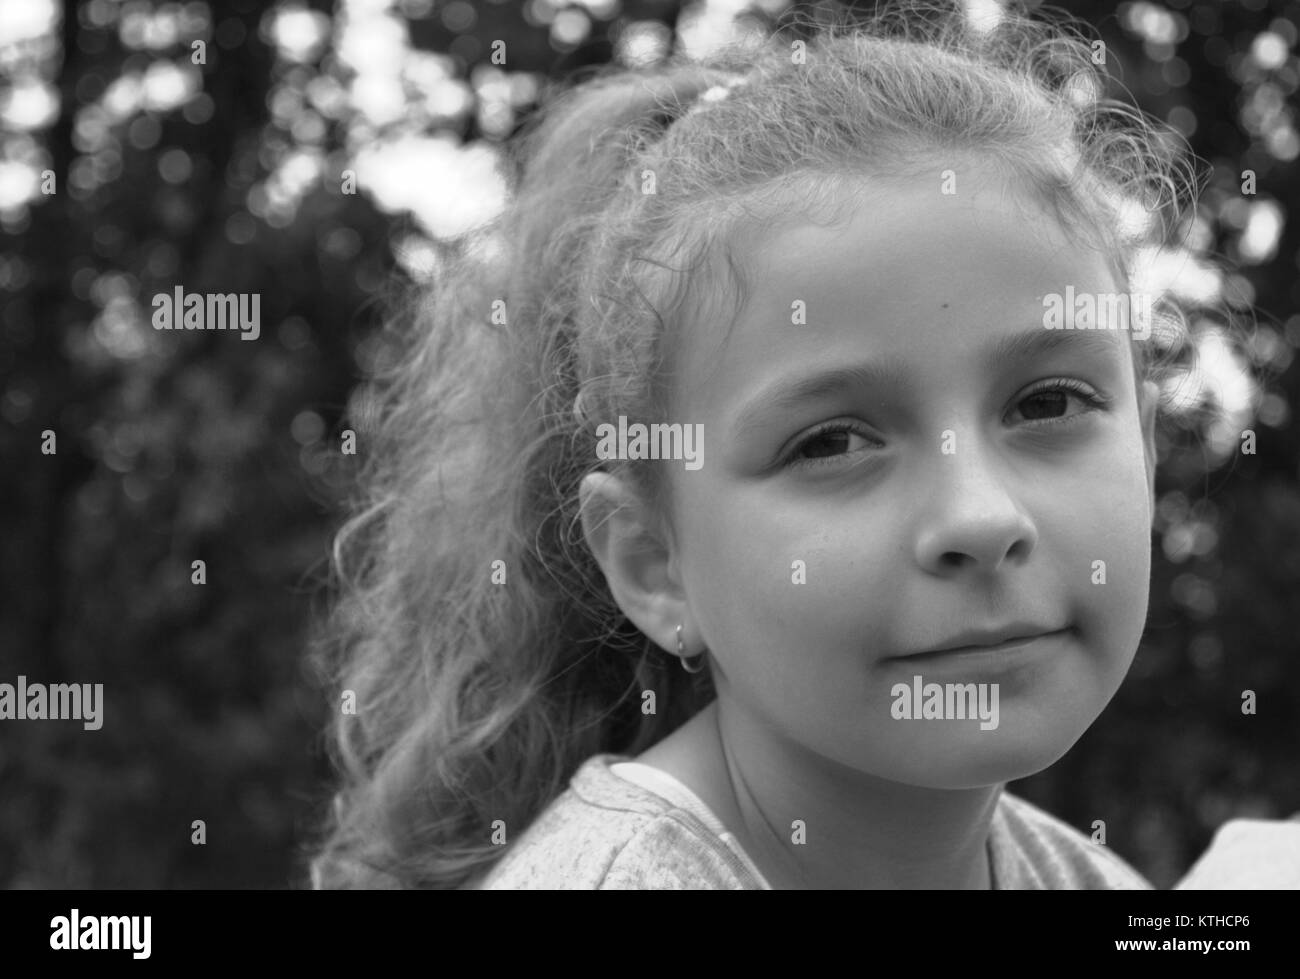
(638, 563)
(1147, 421)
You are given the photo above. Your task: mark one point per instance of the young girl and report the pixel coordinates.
(769, 485)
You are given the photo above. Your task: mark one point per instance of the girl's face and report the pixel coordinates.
(920, 465)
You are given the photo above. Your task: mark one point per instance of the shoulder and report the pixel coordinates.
(607, 833)
(1034, 850)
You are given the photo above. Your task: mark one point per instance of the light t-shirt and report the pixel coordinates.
(622, 825)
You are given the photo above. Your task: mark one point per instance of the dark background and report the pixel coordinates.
(171, 447)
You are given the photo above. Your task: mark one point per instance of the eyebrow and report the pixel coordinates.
(785, 397)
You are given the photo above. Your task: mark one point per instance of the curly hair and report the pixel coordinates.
(472, 626)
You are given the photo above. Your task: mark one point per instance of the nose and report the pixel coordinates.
(972, 519)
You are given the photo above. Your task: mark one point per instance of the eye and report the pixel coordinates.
(828, 442)
(1050, 401)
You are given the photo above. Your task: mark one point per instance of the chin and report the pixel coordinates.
(989, 759)
(1030, 753)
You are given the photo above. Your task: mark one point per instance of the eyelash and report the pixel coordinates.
(1090, 397)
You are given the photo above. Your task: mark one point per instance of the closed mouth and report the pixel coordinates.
(1012, 642)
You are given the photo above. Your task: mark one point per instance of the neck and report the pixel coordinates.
(858, 831)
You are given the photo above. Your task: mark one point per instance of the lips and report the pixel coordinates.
(990, 639)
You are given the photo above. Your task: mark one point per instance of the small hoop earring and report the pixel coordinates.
(699, 660)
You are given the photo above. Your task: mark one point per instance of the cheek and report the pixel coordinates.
(769, 558)
(774, 585)
(748, 567)
(1104, 522)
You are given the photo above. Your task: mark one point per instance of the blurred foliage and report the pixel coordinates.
(230, 175)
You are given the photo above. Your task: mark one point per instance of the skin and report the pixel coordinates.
(905, 545)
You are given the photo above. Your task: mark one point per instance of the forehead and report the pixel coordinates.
(902, 272)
